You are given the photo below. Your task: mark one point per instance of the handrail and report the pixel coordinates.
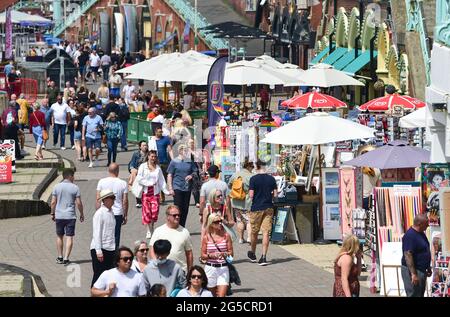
(416, 23)
(187, 12)
(71, 18)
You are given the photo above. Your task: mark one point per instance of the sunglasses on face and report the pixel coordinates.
(143, 250)
(199, 277)
(217, 222)
(175, 215)
(219, 196)
(127, 258)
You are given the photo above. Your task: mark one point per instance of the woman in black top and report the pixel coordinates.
(78, 126)
(82, 95)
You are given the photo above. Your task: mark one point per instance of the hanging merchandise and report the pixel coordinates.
(350, 195)
(359, 222)
(434, 177)
(252, 144)
(330, 206)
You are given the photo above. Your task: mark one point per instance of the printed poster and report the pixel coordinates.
(347, 198)
(434, 177)
(227, 167)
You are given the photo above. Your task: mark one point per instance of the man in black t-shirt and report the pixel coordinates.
(416, 257)
(112, 106)
(82, 61)
(262, 190)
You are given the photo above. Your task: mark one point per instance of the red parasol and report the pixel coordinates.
(314, 100)
(389, 101)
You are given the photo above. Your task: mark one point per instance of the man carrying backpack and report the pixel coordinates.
(124, 116)
(10, 128)
(238, 187)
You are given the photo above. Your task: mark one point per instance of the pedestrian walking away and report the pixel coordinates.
(216, 248)
(151, 182)
(179, 237)
(103, 244)
(416, 257)
(66, 198)
(179, 180)
(120, 207)
(162, 270)
(262, 190)
(239, 200)
(120, 281)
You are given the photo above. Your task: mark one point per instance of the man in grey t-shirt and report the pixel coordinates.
(213, 183)
(65, 196)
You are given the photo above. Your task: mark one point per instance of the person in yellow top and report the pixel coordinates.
(23, 111)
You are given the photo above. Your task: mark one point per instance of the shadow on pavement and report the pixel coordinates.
(243, 290)
(81, 261)
(277, 261)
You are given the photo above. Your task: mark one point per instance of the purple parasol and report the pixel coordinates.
(396, 154)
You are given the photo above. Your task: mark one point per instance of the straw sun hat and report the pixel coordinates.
(106, 193)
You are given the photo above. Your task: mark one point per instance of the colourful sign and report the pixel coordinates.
(6, 172)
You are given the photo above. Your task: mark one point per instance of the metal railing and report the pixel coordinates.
(414, 10)
(187, 11)
(73, 17)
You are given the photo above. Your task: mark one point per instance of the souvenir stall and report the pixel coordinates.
(436, 202)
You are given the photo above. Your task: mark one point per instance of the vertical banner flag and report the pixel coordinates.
(216, 90)
(8, 34)
(187, 28)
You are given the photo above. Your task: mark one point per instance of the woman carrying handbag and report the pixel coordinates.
(38, 129)
(150, 182)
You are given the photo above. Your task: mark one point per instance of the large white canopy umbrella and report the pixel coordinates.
(22, 17)
(318, 128)
(153, 64)
(416, 119)
(287, 69)
(246, 73)
(324, 75)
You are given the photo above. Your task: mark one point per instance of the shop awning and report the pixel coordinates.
(337, 53)
(319, 56)
(348, 57)
(358, 63)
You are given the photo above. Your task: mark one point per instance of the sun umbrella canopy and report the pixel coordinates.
(318, 128)
(314, 100)
(396, 154)
(416, 119)
(324, 75)
(248, 73)
(389, 101)
(18, 17)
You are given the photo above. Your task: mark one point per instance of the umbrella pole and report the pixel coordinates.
(320, 240)
(165, 92)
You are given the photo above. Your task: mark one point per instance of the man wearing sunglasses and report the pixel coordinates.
(178, 236)
(120, 281)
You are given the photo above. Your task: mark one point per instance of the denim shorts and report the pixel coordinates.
(65, 227)
(77, 135)
(95, 143)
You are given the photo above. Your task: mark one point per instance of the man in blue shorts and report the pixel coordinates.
(65, 196)
(92, 125)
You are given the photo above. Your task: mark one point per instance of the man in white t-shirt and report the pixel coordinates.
(187, 100)
(60, 117)
(127, 91)
(94, 63)
(120, 190)
(178, 236)
(120, 281)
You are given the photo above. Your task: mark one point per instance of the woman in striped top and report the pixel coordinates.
(113, 130)
(216, 247)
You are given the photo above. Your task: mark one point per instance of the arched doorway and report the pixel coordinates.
(158, 30)
(167, 33)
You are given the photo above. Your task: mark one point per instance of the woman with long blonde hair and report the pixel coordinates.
(346, 271)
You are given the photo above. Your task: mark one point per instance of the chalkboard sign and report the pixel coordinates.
(279, 224)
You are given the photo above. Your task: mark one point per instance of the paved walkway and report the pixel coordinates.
(29, 243)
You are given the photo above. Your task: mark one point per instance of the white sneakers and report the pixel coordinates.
(91, 164)
(62, 148)
(73, 147)
(149, 235)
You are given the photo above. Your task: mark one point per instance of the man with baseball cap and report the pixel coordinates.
(103, 245)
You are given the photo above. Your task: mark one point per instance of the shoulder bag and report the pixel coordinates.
(234, 275)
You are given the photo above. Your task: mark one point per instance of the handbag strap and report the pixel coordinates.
(217, 247)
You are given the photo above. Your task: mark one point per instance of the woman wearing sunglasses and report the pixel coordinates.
(140, 256)
(216, 248)
(196, 284)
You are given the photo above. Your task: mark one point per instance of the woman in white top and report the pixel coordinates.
(196, 282)
(151, 177)
(140, 256)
